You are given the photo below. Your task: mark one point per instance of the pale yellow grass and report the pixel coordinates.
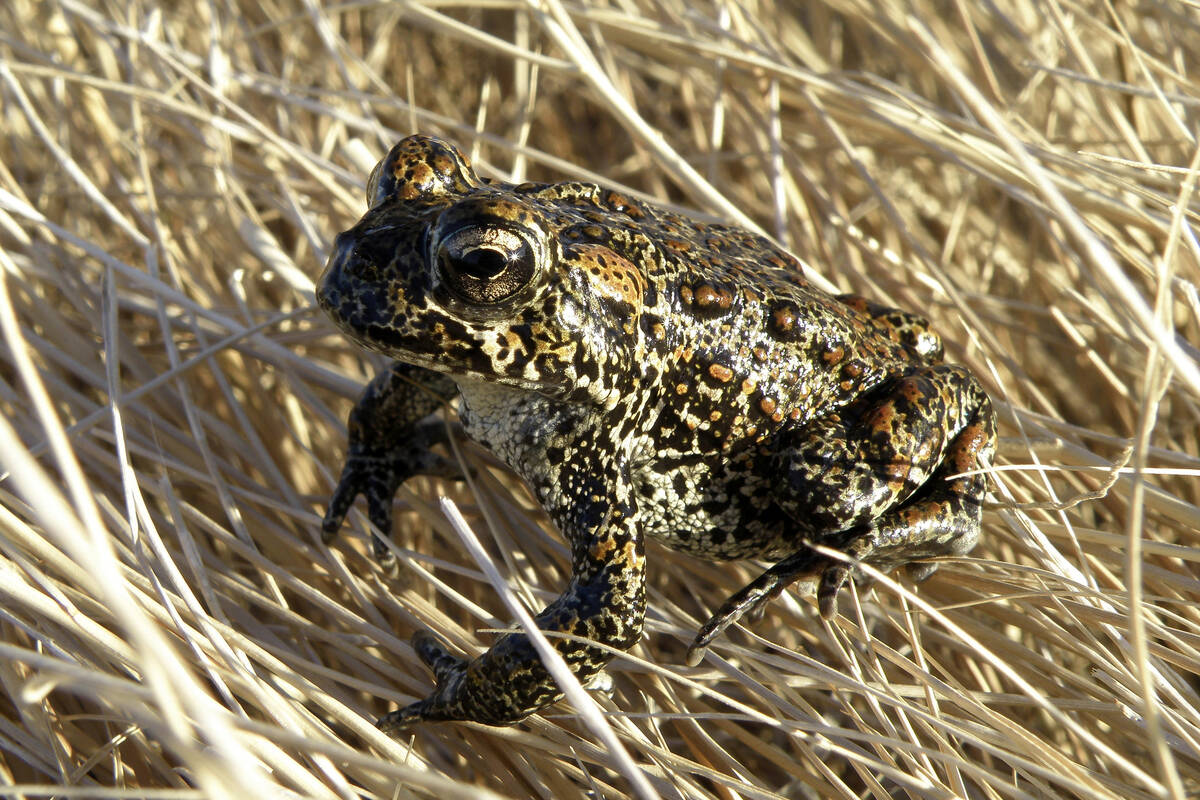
(173, 406)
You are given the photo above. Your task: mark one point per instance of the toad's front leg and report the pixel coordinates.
(605, 602)
(389, 443)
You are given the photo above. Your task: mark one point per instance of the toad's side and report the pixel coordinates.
(647, 375)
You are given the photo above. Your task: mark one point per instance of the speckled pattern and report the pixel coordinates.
(647, 375)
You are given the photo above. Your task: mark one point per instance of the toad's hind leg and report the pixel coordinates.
(883, 483)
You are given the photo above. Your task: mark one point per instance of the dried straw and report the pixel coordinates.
(171, 625)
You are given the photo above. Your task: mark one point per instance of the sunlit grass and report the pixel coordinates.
(173, 406)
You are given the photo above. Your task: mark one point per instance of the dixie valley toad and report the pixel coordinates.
(647, 375)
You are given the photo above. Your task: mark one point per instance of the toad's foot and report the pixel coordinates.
(751, 599)
(448, 670)
(602, 610)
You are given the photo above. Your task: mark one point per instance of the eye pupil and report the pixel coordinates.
(483, 263)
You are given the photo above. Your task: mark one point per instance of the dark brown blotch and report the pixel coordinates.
(833, 353)
(720, 373)
(622, 204)
(783, 320)
(708, 300)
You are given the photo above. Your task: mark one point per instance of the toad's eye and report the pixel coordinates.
(486, 264)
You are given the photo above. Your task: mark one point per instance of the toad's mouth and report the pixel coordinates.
(460, 358)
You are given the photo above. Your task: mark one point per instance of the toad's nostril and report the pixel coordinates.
(340, 260)
(343, 246)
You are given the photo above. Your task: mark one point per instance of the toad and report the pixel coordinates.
(647, 375)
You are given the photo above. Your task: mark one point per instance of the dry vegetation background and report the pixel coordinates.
(170, 624)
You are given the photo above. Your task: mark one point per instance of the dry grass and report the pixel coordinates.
(171, 626)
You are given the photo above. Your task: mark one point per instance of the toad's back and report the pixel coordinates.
(731, 334)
